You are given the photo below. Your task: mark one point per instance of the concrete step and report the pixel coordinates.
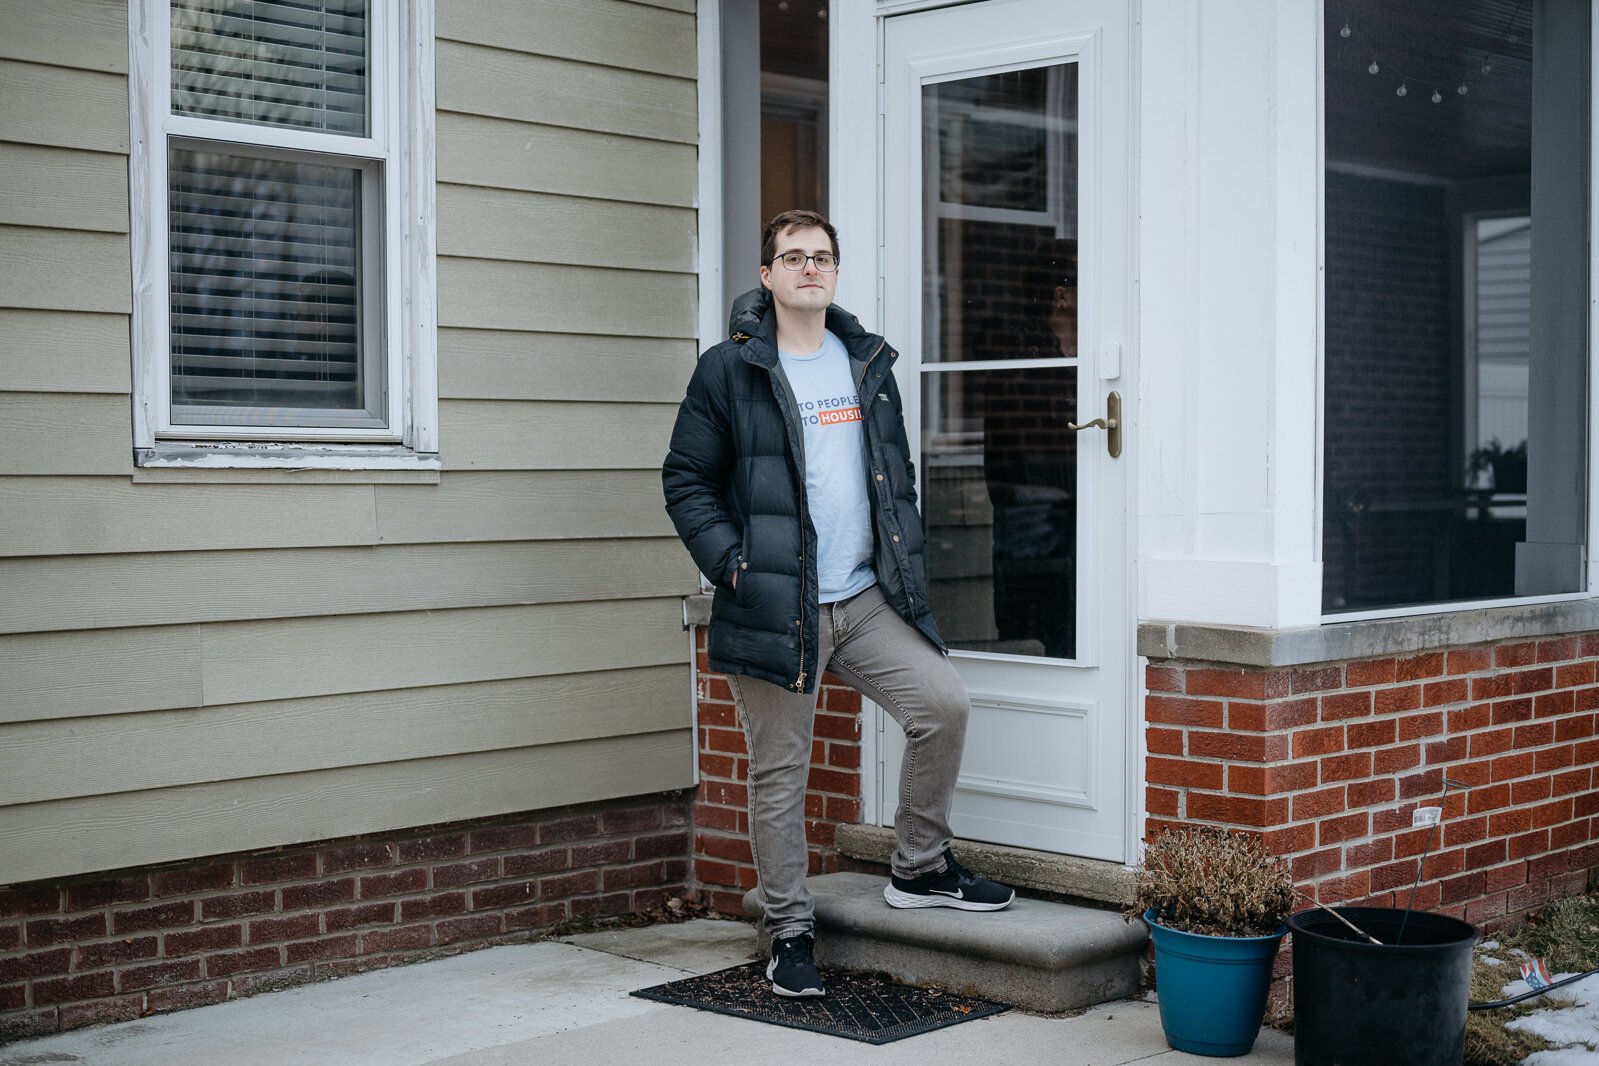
(1043, 871)
(1035, 954)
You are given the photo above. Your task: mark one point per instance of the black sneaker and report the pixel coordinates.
(792, 970)
(953, 886)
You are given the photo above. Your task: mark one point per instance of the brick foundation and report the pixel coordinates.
(116, 946)
(723, 865)
(1326, 762)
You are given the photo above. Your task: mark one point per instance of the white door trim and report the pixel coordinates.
(856, 207)
(854, 51)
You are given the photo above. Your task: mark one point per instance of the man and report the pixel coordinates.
(789, 480)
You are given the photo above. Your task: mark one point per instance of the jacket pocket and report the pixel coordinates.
(742, 573)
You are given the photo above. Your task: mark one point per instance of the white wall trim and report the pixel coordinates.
(854, 165)
(1593, 305)
(1294, 390)
(1241, 592)
(199, 455)
(147, 81)
(419, 156)
(708, 199)
(1319, 519)
(1137, 741)
(1230, 292)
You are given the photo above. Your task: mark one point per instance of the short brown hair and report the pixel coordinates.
(795, 219)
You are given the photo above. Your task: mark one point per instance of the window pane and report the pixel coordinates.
(265, 271)
(300, 63)
(999, 464)
(793, 164)
(1456, 221)
(1001, 165)
(1000, 487)
(994, 136)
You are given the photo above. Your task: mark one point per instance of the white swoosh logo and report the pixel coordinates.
(957, 894)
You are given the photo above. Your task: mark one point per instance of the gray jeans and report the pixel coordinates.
(865, 642)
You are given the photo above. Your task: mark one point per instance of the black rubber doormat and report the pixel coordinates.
(857, 1006)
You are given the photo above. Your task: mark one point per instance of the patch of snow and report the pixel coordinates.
(1572, 1027)
(1488, 945)
(1570, 1056)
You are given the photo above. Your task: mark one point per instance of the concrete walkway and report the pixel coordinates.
(567, 1001)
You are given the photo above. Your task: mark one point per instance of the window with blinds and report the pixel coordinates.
(301, 64)
(265, 268)
(282, 180)
(274, 200)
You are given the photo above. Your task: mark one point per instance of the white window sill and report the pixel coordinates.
(208, 460)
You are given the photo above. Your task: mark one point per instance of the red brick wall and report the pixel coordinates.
(118, 946)
(722, 862)
(1328, 761)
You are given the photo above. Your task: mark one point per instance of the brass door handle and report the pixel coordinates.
(1111, 424)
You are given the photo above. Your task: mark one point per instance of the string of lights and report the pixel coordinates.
(821, 10)
(1484, 66)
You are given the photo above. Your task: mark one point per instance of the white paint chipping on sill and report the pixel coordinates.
(271, 456)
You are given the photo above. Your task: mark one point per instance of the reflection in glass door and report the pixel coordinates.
(999, 359)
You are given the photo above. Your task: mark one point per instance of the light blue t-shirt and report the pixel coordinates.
(835, 468)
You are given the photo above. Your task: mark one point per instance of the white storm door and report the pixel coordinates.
(1007, 274)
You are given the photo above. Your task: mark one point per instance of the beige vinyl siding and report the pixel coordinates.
(171, 588)
(78, 34)
(311, 732)
(61, 516)
(572, 366)
(65, 270)
(92, 833)
(502, 154)
(67, 107)
(61, 351)
(63, 188)
(200, 662)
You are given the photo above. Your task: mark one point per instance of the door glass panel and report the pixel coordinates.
(1000, 170)
(999, 466)
(999, 471)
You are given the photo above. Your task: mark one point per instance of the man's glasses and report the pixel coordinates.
(826, 262)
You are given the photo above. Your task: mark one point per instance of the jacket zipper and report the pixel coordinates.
(799, 682)
(910, 600)
(882, 342)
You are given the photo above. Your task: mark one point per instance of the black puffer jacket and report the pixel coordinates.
(735, 490)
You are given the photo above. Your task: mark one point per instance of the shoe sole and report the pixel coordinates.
(804, 993)
(910, 900)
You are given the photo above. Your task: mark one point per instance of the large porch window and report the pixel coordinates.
(1456, 223)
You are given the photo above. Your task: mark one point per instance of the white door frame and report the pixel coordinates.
(856, 132)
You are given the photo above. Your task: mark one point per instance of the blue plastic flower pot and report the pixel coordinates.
(1212, 989)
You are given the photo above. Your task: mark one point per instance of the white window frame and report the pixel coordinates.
(400, 325)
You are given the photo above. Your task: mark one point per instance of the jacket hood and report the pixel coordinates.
(752, 315)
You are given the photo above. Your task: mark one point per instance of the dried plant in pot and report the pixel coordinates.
(1215, 903)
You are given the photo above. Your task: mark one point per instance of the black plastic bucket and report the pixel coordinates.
(1356, 1002)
